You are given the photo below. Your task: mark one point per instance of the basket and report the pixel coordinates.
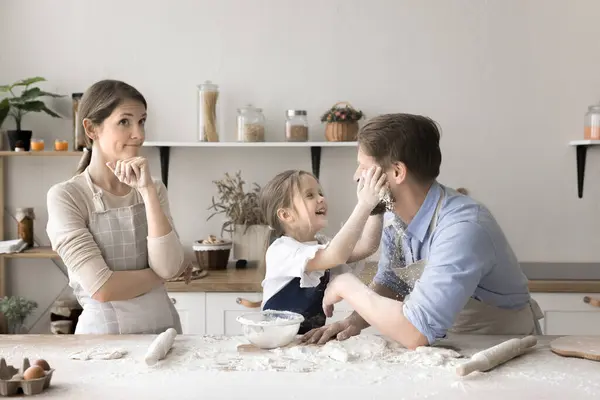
(212, 256)
(341, 131)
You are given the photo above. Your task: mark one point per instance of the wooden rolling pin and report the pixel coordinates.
(496, 355)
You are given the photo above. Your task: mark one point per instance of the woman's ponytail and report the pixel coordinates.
(85, 160)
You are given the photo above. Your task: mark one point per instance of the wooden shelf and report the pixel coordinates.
(49, 153)
(164, 149)
(581, 147)
(45, 252)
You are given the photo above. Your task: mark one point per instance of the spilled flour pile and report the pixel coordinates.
(363, 351)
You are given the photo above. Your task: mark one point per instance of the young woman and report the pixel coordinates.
(111, 223)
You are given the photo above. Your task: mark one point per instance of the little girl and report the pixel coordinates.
(299, 260)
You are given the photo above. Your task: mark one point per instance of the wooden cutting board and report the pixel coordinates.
(587, 347)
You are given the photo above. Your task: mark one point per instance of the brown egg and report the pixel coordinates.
(43, 364)
(34, 372)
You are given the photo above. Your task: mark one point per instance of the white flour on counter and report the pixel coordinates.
(359, 351)
(365, 366)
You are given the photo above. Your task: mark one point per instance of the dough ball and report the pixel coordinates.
(34, 372)
(43, 364)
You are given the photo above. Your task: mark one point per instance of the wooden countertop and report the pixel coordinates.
(210, 367)
(229, 280)
(564, 286)
(249, 280)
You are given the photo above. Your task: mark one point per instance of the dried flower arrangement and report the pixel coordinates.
(347, 113)
(240, 207)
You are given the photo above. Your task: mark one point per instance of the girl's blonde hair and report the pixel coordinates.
(279, 193)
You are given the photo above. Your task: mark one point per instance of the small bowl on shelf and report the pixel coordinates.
(37, 145)
(212, 253)
(61, 145)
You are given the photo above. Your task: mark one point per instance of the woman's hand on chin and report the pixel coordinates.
(134, 172)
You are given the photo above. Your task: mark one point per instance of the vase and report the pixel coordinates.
(341, 131)
(16, 327)
(19, 136)
(250, 243)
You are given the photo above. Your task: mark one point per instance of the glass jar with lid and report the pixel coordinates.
(296, 126)
(592, 123)
(208, 96)
(250, 124)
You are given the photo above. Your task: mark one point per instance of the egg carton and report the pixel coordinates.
(12, 381)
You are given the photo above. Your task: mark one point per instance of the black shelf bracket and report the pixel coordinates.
(165, 153)
(315, 160)
(581, 157)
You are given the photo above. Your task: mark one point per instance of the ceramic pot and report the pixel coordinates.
(23, 136)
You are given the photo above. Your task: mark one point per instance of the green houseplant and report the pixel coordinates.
(244, 220)
(21, 104)
(15, 310)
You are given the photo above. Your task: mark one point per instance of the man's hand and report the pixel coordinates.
(334, 292)
(340, 330)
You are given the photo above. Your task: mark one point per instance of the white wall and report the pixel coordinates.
(509, 82)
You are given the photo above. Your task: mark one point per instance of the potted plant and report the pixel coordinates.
(244, 220)
(15, 310)
(17, 106)
(342, 122)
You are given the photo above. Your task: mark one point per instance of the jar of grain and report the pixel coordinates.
(25, 217)
(296, 126)
(78, 131)
(208, 96)
(250, 124)
(592, 123)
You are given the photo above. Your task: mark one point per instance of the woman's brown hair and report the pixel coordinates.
(98, 103)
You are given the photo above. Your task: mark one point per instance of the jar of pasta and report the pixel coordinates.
(296, 126)
(208, 96)
(250, 124)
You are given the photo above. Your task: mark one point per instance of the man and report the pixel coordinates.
(439, 245)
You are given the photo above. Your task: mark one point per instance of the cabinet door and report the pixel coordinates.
(222, 311)
(568, 314)
(192, 311)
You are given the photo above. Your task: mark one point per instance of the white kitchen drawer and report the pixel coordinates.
(222, 311)
(192, 311)
(567, 314)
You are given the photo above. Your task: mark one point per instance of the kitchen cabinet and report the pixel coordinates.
(215, 313)
(222, 311)
(568, 314)
(192, 310)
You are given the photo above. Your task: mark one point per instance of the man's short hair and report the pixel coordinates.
(411, 139)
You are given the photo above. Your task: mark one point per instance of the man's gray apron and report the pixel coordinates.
(121, 236)
(478, 317)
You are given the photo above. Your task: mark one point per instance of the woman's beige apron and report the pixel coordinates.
(121, 236)
(478, 317)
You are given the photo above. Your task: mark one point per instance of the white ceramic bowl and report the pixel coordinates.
(270, 329)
